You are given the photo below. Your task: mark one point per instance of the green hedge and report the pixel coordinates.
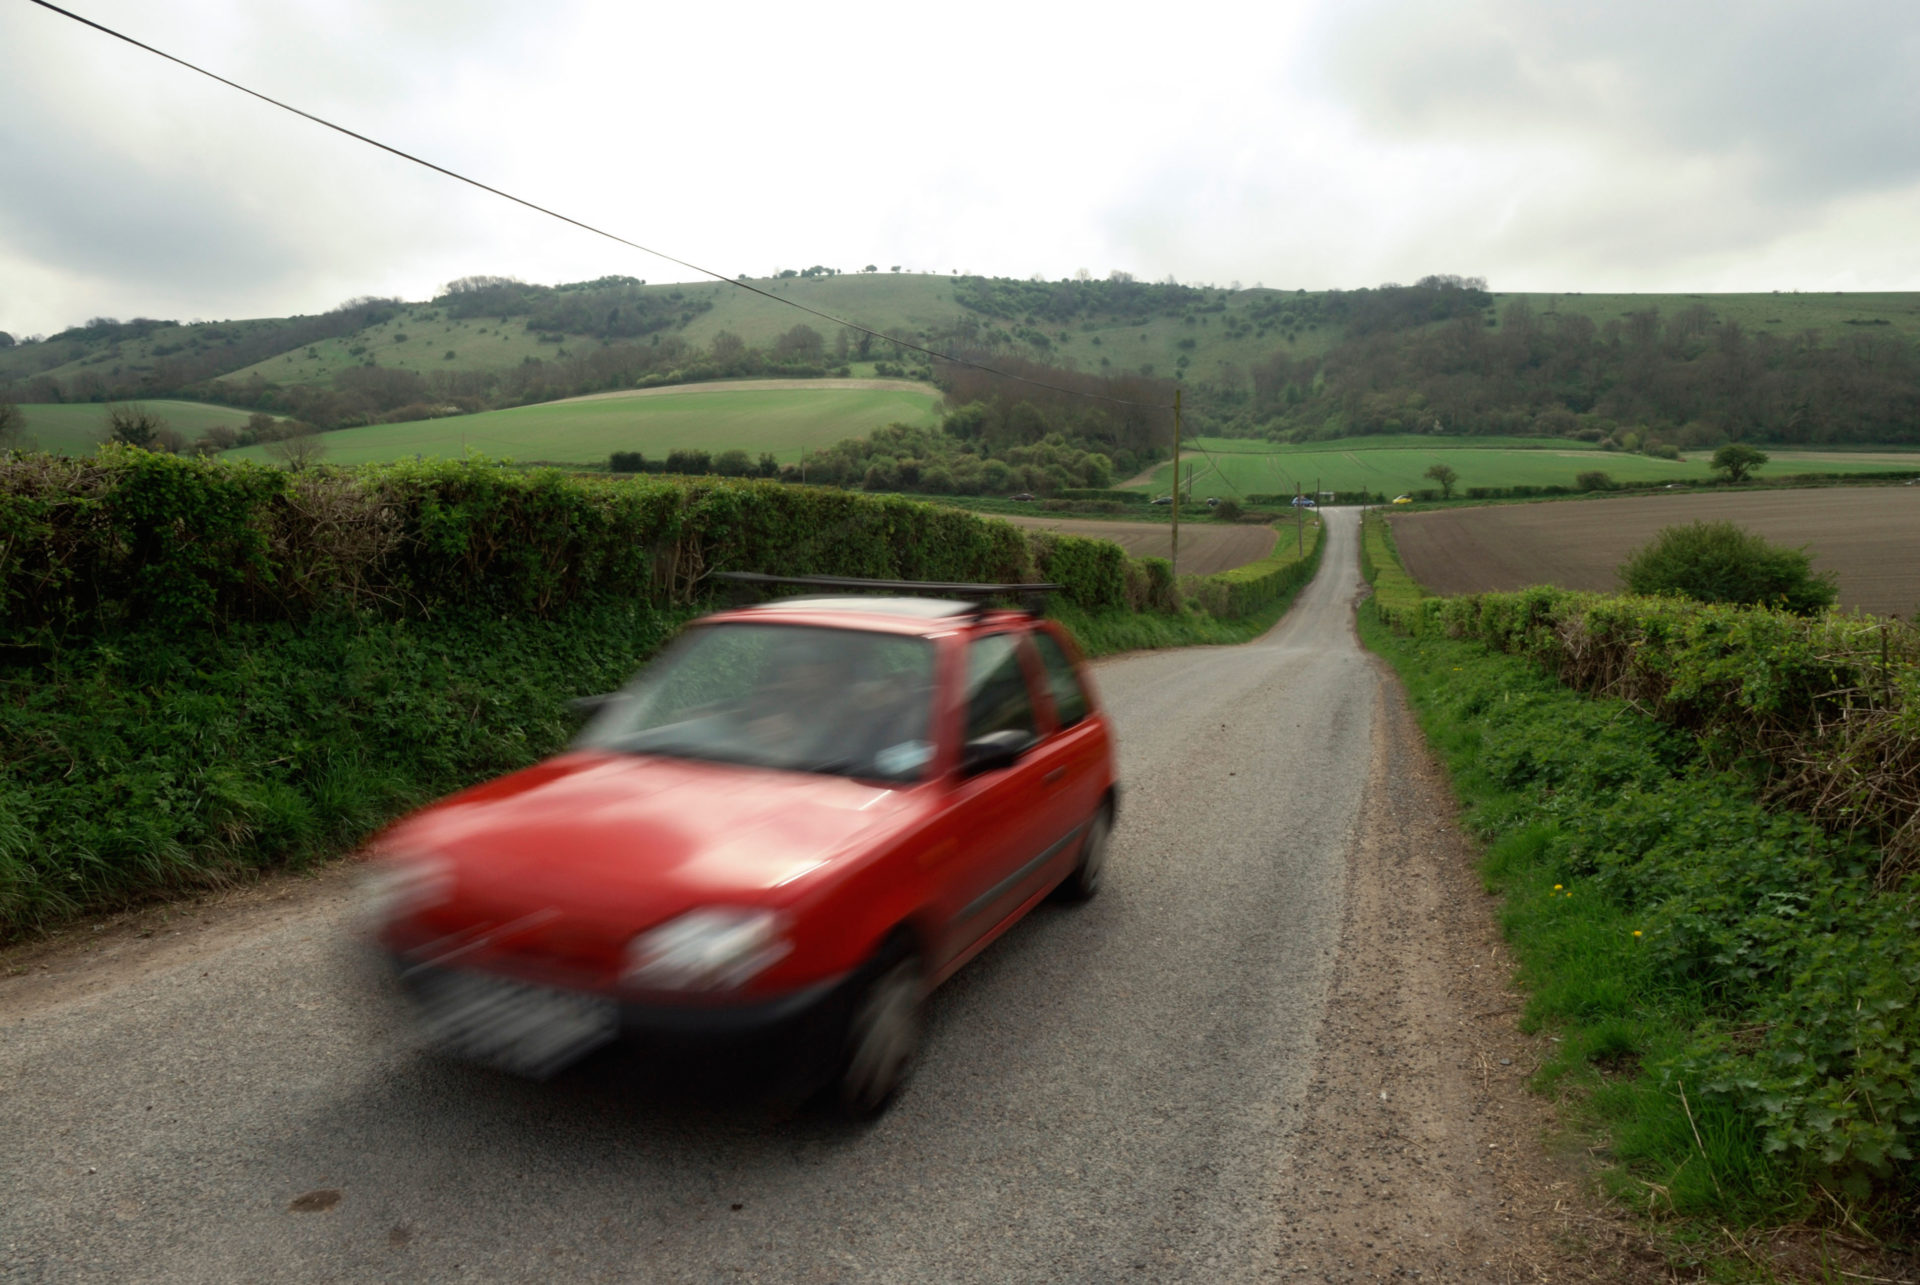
(1246, 590)
(97, 544)
(1394, 591)
(206, 668)
(1736, 955)
(1824, 709)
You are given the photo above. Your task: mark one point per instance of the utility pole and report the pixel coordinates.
(1176, 490)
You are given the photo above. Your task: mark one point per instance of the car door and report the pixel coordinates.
(1077, 747)
(998, 819)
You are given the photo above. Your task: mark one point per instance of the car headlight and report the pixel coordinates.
(392, 886)
(705, 950)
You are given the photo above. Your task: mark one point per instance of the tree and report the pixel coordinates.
(728, 349)
(132, 424)
(299, 451)
(1593, 480)
(801, 344)
(12, 425)
(1719, 562)
(217, 438)
(1445, 476)
(1737, 460)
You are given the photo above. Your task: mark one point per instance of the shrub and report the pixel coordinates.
(1719, 562)
(1593, 480)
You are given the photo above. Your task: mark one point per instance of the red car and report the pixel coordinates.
(794, 824)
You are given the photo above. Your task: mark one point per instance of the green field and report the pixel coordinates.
(1392, 465)
(75, 428)
(753, 416)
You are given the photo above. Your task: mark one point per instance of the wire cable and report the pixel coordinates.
(584, 226)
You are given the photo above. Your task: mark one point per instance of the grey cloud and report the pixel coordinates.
(1817, 97)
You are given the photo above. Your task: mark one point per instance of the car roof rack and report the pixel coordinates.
(975, 594)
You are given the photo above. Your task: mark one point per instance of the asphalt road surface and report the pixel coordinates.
(1106, 1094)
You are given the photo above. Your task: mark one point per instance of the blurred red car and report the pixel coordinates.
(797, 821)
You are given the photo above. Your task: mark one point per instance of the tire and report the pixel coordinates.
(1085, 879)
(882, 1041)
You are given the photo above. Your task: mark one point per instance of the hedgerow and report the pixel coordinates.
(1248, 589)
(207, 668)
(1824, 710)
(1393, 589)
(1737, 956)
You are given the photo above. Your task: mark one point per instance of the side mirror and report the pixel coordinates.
(994, 751)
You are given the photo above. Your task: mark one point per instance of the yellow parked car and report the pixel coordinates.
(1403, 499)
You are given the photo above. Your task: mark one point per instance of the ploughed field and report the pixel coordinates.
(1205, 547)
(1870, 537)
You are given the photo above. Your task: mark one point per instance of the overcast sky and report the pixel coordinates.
(1544, 144)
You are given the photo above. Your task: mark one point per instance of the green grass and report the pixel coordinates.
(1392, 466)
(75, 428)
(709, 417)
(1717, 975)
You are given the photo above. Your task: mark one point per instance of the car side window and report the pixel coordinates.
(997, 695)
(1070, 702)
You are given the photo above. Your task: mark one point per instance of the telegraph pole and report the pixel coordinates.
(1176, 491)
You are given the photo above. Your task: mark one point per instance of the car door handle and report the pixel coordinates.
(1056, 776)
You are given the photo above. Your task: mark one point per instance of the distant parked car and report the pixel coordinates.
(1162, 499)
(1023, 495)
(1403, 499)
(1304, 502)
(1213, 501)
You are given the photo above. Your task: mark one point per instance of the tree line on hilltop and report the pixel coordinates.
(1642, 381)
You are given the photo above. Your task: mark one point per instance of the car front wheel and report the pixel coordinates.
(883, 1037)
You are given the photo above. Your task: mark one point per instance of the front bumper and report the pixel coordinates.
(788, 1042)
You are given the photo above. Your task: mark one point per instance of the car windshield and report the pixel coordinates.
(794, 697)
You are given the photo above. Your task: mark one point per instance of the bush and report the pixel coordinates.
(1593, 480)
(1719, 562)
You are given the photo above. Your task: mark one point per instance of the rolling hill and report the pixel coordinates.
(778, 417)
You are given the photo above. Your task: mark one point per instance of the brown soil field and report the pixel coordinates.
(1205, 547)
(1868, 536)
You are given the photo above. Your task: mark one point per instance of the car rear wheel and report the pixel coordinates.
(1085, 879)
(883, 1036)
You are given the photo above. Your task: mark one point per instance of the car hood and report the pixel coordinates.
(639, 838)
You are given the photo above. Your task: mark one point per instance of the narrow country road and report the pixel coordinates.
(1107, 1094)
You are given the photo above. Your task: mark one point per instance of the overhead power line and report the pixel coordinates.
(582, 225)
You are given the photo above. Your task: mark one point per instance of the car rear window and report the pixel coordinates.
(793, 697)
(1070, 703)
(997, 696)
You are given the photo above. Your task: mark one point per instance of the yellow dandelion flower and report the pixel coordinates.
(1556, 887)
(1636, 932)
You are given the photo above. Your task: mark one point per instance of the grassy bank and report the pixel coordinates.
(209, 669)
(1731, 996)
(1730, 982)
